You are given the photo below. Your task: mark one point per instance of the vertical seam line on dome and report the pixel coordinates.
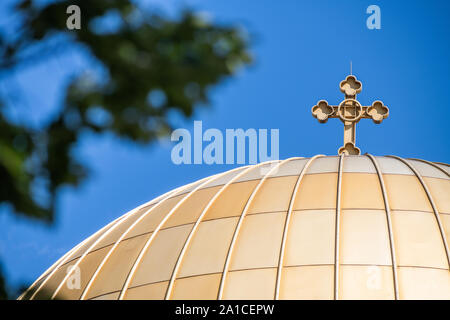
(239, 224)
(442, 163)
(287, 224)
(118, 223)
(66, 257)
(130, 228)
(53, 267)
(97, 241)
(120, 220)
(389, 225)
(433, 205)
(431, 164)
(196, 225)
(158, 228)
(337, 229)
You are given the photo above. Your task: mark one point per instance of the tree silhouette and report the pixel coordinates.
(153, 65)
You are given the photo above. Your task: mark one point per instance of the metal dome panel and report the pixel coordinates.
(348, 227)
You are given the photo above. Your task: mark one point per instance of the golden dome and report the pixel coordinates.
(326, 227)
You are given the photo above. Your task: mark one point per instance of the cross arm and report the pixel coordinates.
(322, 111)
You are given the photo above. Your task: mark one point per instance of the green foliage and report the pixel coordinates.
(144, 57)
(152, 65)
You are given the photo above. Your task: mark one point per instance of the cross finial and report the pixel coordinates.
(350, 111)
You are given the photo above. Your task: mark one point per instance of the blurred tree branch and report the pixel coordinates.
(153, 65)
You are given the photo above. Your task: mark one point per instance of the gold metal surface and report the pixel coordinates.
(435, 211)
(158, 228)
(195, 228)
(338, 229)
(287, 224)
(238, 227)
(387, 208)
(347, 227)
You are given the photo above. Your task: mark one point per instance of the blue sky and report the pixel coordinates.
(302, 51)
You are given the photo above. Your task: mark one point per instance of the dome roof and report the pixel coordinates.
(326, 227)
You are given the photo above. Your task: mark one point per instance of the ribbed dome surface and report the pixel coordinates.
(326, 227)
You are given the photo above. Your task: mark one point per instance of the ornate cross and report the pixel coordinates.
(350, 111)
